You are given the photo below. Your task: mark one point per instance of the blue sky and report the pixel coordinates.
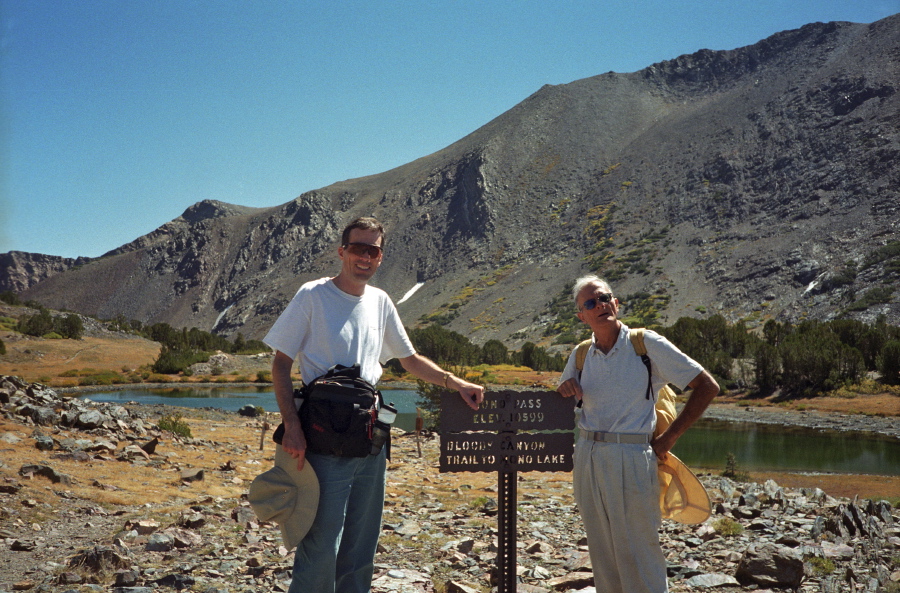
(117, 116)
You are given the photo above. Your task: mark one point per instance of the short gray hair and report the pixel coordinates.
(585, 281)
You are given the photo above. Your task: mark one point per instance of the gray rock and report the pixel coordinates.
(249, 411)
(47, 472)
(408, 529)
(192, 475)
(150, 447)
(243, 515)
(91, 419)
(101, 558)
(769, 565)
(127, 578)
(192, 520)
(43, 443)
(160, 542)
(711, 581)
(176, 581)
(44, 416)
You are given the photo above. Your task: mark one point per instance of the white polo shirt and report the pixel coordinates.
(615, 384)
(323, 326)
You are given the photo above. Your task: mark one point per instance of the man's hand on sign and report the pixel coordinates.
(570, 387)
(471, 393)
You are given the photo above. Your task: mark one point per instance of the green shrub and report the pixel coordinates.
(36, 325)
(171, 362)
(444, 346)
(70, 326)
(821, 566)
(766, 367)
(889, 362)
(43, 324)
(10, 298)
(874, 296)
(264, 377)
(537, 359)
(814, 360)
(174, 424)
(727, 527)
(731, 469)
(494, 352)
(95, 380)
(477, 503)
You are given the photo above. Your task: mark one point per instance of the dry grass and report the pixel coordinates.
(838, 485)
(107, 481)
(869, 404)
(39, 360)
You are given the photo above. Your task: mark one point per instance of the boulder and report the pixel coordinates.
(769, 565)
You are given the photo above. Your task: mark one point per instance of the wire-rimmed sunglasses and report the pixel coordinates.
(603, 297)
(362, 249)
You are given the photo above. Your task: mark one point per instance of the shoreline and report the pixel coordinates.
(885, 426)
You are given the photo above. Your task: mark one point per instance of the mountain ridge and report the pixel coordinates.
(772, 168)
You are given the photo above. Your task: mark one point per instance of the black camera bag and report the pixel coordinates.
(338, 413)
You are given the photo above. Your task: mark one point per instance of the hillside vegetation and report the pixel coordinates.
(845, 366)
(759, 184)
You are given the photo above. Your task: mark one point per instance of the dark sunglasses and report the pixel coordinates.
(603, 297)
(361, 249)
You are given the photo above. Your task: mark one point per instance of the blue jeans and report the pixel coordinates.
(338, 553)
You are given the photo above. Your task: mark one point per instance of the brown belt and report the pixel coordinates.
(615, 437)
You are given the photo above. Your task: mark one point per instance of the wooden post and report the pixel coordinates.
(420, 423)
(262, 437)
(488, 440)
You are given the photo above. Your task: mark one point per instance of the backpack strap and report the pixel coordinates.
(637, 340)
(581, 351)
(581, 354)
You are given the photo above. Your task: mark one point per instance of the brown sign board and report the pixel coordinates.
(503, 411)
(489, 452)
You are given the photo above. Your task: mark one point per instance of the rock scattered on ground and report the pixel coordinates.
(439, 530)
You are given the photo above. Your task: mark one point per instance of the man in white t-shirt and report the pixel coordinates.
(615, 475)
(344, 321)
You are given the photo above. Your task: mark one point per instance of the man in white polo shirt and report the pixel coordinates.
(615, 475)
(343, 321)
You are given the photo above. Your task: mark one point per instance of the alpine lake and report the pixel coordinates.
(708, 444)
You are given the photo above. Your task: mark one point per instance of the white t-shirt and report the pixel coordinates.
(323, 326)
(615, 384)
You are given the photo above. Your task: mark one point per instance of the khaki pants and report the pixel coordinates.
(617, 492)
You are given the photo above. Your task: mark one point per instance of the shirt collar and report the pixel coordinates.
(620, 340)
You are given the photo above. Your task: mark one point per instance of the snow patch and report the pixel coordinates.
(222, 314)
(411, 292)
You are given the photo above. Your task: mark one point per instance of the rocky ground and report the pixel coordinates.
(95, 497)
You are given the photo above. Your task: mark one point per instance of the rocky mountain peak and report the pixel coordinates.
(758, 183)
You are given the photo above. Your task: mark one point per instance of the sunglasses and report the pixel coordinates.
(361, 249)
(603, 297)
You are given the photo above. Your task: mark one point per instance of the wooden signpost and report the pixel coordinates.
(488, 439)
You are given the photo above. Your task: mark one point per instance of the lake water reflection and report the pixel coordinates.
(707, 444)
